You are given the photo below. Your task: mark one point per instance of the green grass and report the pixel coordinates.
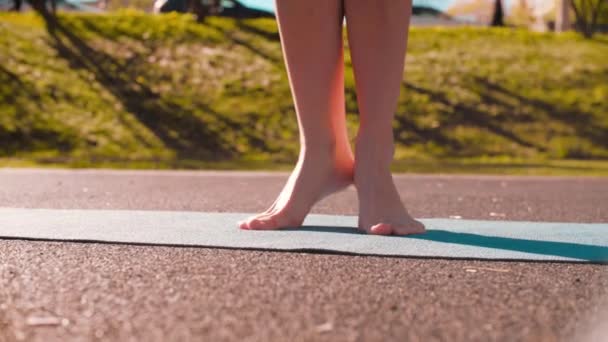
(136, 90)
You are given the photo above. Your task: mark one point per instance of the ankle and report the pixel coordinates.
(374, 150)
(368, 168)
(328, 150)
(380, 128)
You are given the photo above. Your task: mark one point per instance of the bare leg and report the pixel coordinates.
(377, 35)
(311, 37)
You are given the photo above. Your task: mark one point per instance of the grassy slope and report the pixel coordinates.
(162, 91)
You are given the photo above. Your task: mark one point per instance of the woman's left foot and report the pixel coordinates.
(381, 211)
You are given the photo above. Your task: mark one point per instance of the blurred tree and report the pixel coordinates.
(475, 10)
(521, 14)
(588, 14)
(42, 6)
(198, 8)
(498, 17)
(17, 5)
(142, 5)
(562, 15)
(203, 8)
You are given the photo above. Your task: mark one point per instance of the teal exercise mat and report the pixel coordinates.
(446, 238)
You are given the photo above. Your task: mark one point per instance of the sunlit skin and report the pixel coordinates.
(311, 38)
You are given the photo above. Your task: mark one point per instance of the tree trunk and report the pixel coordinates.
(497, 19)
(199, 10)
(562, 20)
(39, 6)
(17, 5)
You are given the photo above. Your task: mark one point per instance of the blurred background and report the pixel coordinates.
(490, 86)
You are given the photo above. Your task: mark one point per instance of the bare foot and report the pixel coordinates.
(314, 177)
(380, 209)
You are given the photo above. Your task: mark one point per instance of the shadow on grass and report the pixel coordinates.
(560, 249)
(464, 114)
(224, 149)
(182, 129)
(499, 109)
(248, 44)
(270, 36)
(582, 121)
(178, 127)
(35, 133)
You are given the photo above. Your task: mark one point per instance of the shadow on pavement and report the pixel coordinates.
(560, 249)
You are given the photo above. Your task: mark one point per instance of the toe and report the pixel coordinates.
(243, 224)
(415, 227)
(262, 223)
(381, 229)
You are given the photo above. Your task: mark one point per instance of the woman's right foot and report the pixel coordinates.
(315, 176)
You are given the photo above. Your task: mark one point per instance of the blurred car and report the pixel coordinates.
(227, 8)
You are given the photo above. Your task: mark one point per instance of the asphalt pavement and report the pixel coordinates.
(85, 291)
